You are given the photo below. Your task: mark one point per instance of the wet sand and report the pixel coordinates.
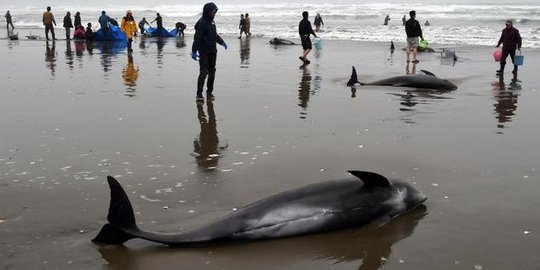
(71, 116)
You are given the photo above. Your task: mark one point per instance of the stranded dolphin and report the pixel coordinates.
(315, 208)
(427, 80)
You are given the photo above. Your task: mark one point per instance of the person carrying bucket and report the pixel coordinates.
(511, 40)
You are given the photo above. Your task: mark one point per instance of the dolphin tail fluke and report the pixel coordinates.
(354, 78)
(121, 217)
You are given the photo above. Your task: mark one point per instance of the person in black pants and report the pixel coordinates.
(204, 49)
(511, 40)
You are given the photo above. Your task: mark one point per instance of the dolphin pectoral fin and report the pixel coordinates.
(371, 179)
(428, 73)
(354, 78)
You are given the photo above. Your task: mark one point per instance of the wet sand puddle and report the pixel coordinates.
(91, 111)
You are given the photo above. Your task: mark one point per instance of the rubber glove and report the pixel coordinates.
(195, 55)
(224, 45)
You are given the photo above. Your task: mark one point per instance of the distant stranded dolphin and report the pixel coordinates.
(315, 208)
(427, 80)
(280, 41)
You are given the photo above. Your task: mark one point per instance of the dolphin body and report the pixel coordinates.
(427, 80)
(315, 208)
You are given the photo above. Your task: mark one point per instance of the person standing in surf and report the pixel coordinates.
(511, 40)
(318, 22)
(48, 21)
(305, 30)
(204, 49)
(413, 30)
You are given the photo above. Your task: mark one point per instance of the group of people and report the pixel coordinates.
(206, 37)
(245, 25)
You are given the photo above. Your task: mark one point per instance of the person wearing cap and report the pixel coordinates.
(413, 31)
(511, 40)
(129, 26)
(204, 49)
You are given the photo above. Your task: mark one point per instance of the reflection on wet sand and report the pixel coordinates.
(180, 42)
(130, 74)
(79, 48)
(245, 48)
(50, 56)
(369, 246)
(304, 90)
(206, 148)
(506, 99)
(69, 54)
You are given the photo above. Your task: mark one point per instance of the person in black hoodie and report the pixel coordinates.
(305, 30)
(204, 49)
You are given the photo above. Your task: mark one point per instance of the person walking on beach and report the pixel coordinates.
(204, 49)
(242, 26)
(104, 23)
(129, 26)
(511, 40)
(68, 24)
(413, 30)
(159, 22)
(9, 20)
(386, 19)
(248, 24)
(318, 22)
(48, 21)
(404, 19)
(141, 25)
(305, 31)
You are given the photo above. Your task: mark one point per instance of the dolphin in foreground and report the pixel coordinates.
(427, 80)
(319, 207)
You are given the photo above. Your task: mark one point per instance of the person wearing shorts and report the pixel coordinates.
(305, 30)
(414, 31)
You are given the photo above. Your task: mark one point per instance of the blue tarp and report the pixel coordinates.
(115, 34)
(164, 33)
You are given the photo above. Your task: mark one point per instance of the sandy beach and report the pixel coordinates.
(71, 115)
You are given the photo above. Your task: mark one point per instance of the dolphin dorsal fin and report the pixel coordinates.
(428, 73)
(354, 78)
(371, 179)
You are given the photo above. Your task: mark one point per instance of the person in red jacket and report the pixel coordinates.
(511, 40)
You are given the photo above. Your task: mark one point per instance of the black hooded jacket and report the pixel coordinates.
(206, 35)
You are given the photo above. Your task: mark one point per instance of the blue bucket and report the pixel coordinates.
(318, 43)
(518, 59)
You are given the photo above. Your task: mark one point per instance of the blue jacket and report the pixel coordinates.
(206, 35)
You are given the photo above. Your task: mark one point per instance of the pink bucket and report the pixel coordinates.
(497, 55)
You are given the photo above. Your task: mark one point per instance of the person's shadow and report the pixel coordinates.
(369, 247)
(506, 98)
(304, 90)
(130, 74)
(245, 49)
(206, 148)
(50, 56)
